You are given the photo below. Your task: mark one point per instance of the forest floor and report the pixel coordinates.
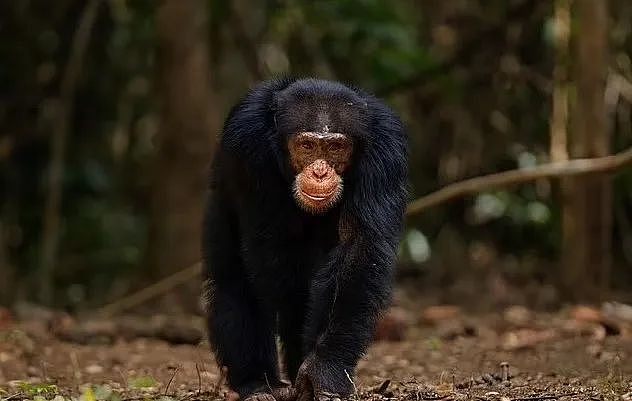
(438, 353)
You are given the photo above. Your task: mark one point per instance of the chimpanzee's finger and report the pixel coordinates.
(231, 396)
(285, 393)
(326, 396)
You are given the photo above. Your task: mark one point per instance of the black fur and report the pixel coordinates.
(273, 269)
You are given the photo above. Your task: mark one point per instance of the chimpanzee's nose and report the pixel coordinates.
(320, 169)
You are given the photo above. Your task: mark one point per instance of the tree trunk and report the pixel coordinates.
(587, 244)
(185, 138)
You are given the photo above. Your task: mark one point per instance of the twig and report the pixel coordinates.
(513, 177)
(175, 372)
(44, 370)
(504, 369)
(199, 376)
(473, 185)
(355, 389)
(75, 367)
(434, 397)
(223, 372)
(151, 292)
(10, 397)
(123, 377)
(265, 375)
(544, 397)
(381, 389)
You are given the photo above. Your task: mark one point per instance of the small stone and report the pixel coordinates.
(518, 315)
(585, 313)
(5, 357)
(94, 369)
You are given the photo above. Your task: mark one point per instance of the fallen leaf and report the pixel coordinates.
(585, 313)
(434, 314)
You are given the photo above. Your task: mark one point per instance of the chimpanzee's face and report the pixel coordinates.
(318, 160)
(322, 127)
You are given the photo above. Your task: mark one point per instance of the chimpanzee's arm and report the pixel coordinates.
(345, 305)
(351, 291)
(241, 330)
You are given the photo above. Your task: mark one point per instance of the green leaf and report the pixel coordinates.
(142, 382)
(102, 393)
(33, 389)
(434, 343)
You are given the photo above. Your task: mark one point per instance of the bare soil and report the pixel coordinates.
(512, 355)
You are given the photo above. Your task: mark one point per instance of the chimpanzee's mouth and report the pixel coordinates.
(319, 197)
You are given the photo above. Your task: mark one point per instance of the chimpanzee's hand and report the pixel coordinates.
(277, 393)
(321, 381)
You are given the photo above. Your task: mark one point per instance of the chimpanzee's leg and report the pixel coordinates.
(241, 330)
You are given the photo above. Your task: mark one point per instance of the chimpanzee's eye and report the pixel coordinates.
(307, 145)
(335, 146)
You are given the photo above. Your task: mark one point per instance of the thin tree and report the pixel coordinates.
(558, 149)
(61, 130)
(587, 244)
(185, 137)
(559, 113)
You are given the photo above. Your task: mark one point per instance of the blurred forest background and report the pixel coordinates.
(109, 111)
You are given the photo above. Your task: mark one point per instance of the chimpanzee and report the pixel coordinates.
(308, 191)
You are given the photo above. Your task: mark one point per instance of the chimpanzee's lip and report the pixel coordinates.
(318, 197)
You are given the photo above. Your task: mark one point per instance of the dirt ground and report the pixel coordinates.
(435, 354)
